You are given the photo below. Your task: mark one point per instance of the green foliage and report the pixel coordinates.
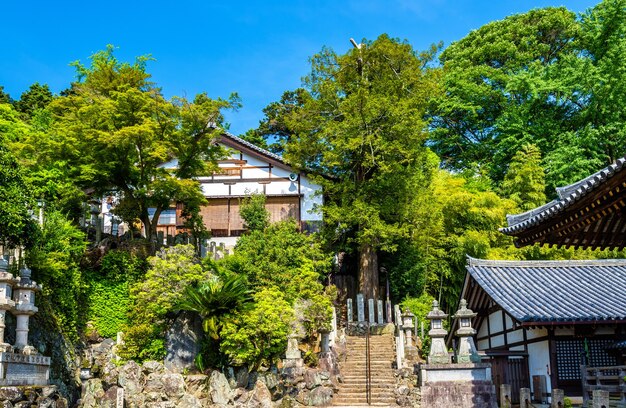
(118, 265)
(567, 402)
(253, 212)
(524, 182)
(259, 336)
(17, 226)
(171, 271)
(280, 257)
(109, 303)
(114, 130)
(36, 98)
(216, 301)
(55, 262)
(4, 97)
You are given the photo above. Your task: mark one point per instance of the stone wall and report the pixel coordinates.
(31, 396)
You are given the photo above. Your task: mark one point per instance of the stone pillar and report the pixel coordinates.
(360, 304)
(24, 297)
(371, 312)
(600, 399)
(438, 350)
(558, 397)
(380, 319)
(524, 398)
(505, 396)
(389, 316)
(350, 312)
(325, 341)
(293, 352)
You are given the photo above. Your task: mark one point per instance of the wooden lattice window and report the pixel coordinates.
(569, 356)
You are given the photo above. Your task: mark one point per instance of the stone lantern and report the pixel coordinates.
(6, 303)
(438, 350)
(467, 350)
(24, 296)
(410, 351)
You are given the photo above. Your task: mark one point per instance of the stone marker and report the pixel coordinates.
(600, 399)
(360, 304)
(558, 397)
(293, 352)
(349, 306)
(524, 398)
(119, 401)
(389, 316)
(371, 311)
(505, 396)
(380, 312)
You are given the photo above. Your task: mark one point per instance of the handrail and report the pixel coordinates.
(368, 369)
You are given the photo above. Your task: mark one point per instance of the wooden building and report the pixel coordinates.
(538, 321)
(249, 169)
(542, 319)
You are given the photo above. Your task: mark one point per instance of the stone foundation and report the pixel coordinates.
(27, 396)
(20, 369)
(476, 394)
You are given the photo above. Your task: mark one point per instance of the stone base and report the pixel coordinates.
(20, 369)
(447, 394)
(435, 373)
(360, 328)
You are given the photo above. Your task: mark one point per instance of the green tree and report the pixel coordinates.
(524, 183)
(253, 212)
(115, 133)
(362, 126)
(5, 97)
(505, 87)
(17, 225)
(37, 97)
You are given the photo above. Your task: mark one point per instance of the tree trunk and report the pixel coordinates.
(368, 272)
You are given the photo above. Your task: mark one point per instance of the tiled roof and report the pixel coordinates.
(252, 146)
(555, 291)
(568, 195)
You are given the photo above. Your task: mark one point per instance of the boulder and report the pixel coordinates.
(93, 393)
(261, 396)
(219, 389)
(131, 378)
(12, 394)
(197, 385)
(313, 379)
(320, 396)
(182, 342)
(189, 401)
(173, 385)
(150, 367)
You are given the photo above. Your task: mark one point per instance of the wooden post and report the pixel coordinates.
(524, 398)
(600, 399)
(557, 398)
(505, 396)
(583, 377)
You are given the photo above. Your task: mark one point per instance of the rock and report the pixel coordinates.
(93, 393)
(110, 398)
(173, 385)
(270, 379)
(22, 404)
(12, 394)
(312, 378)
(182, 342)
(303, 397)
(287, 402)
(403, 390)
(261, 396)
(197, 385)
(6, 404)
(189, 401)
(220, 391)
(131, 379)
(242, 376)
(320, 396)
(109, 374)
(150, 367)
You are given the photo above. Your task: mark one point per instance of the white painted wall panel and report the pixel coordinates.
(482, 344)
(534, 333)
(508, 321)
(497, 341)
(539, 361)
(495, 321)
(515, 336)
(214, 189)
(483, 329)
(241, 189)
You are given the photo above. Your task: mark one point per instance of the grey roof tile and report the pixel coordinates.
(555, 291)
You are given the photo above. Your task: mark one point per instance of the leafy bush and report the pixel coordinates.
(253, 212)
(171, 271)
(108, 304)
(259, 336)
(420, 307)
(121, 265)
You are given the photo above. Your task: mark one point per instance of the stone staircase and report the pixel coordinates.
(352, 389)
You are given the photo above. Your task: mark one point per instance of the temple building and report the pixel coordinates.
(538, 322)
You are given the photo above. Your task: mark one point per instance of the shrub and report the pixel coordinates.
(108, 304)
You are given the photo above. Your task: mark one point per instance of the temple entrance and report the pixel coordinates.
(510, 370)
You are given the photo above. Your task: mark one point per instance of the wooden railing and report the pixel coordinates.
(611, 379)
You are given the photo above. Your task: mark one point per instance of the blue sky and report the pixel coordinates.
(257, 49)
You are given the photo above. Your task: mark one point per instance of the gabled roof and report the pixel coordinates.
(554, 291)
(586, 213)
(233, 140)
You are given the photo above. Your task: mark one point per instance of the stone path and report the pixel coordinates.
(352, 389)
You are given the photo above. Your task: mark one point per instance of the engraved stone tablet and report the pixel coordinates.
(349, 310)
(370, 309)
(380, 312)
(360, 304)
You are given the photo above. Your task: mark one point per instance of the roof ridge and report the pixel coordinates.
(253, 146)
(544, 263)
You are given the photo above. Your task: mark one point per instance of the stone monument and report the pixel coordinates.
(438, 350)
(467, 352)
(410, 351)
(20, 364)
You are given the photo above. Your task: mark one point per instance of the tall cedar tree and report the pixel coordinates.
(362, 126)
(525, 183)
